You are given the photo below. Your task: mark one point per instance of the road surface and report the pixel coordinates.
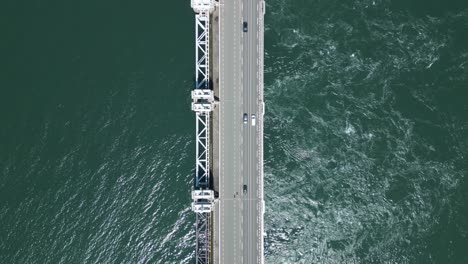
(240, 213)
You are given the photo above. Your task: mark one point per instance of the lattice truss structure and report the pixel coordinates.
(202, 50)
(202, 104)
(202, 148)
(203, 244)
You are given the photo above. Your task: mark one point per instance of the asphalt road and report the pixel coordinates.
(240, 213)
(230, 121)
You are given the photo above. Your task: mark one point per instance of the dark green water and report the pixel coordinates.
(366, 132)
(366, 141)
(97, 136)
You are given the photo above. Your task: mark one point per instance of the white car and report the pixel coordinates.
(253, 120)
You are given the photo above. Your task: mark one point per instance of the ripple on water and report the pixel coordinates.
(349, 176)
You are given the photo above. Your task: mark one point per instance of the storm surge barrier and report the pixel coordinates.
(202, 105)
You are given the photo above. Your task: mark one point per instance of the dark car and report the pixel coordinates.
(245, 118)
(245, 188)
(244, 28)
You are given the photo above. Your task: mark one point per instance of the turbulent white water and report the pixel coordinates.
(363, 158)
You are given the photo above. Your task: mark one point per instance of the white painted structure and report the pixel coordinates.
(202, 104)
(200, 6)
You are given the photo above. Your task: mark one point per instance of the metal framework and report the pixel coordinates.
(203, 238)
(202, 104)
(202, 148)
(202, 50)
